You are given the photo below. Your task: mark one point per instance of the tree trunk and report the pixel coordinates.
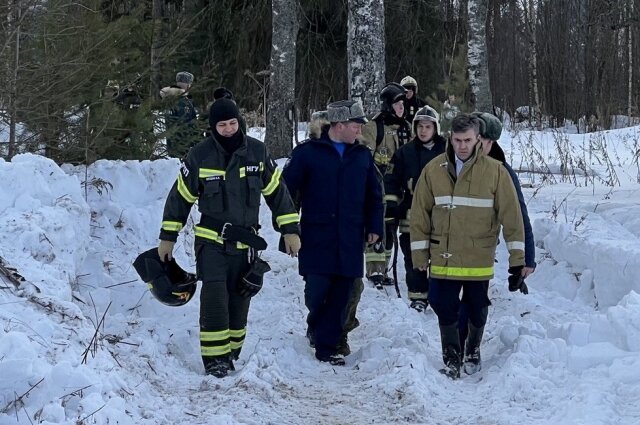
(154, 76)
(282, 83)
(630, 64)
(477, 56)
(366, 52)
(13, 113)
(534, 104)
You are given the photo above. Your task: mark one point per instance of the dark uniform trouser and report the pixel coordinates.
(326, 297)
(351, 321)
(444, 297)
(417, 281)
(223, 311)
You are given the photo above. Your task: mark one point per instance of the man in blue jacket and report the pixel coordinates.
(334, 178)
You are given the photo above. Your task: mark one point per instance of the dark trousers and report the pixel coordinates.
(417, 281)
(444, 297)
(223, 311)
(326, 297)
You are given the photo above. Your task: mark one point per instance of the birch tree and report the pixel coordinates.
(477, 55)
(281, 100)
(366, 52)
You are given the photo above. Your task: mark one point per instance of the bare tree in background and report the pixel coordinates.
(477, 55)
(281, 100)
(366, 52)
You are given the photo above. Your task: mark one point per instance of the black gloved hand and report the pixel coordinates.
(251, 283)
(516, 280)
(378, 247)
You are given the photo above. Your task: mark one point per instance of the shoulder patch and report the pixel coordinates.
(183, 168)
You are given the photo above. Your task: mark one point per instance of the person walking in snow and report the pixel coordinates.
(226, 174)
(384, 134)
(180, 121)
(412, 102)
(490, 131)
(335, 180)
(399, 183)
(460, 201)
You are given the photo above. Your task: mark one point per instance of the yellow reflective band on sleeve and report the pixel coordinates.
(515, 245)
(390, 197)
(480, 273)
(184, 191)
(287, 219)
(417, 245)
(214, 336)
(273, 184)
(171, 226)
(215, 351)
(209, 172)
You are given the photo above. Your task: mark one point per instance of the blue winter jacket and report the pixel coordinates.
(341, 202)
(529, 244)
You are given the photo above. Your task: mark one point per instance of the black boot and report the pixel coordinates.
(343, 346)
(472, 360)
(218, 366)
(451, 351)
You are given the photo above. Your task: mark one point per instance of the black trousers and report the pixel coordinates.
(444, 297)
(223, 311)
(326, 297)
(417, 281)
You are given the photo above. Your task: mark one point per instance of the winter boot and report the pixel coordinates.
(451, 351)
(472, 360)
(218, 366)
(343, 346)
(388, 281)
(311, 338)
(335, 359)
(378, 280)
(419, 305)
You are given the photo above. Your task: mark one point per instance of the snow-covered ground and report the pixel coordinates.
(85, 343)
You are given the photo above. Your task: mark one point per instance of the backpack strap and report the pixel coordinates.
(379, 132)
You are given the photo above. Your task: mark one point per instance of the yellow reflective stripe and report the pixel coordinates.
(209, 172)
(214, 351)
(515, 245)
(238, 333)
(235, 345)
(243, 172)
(171, 226)
(391, 197)
(287, 219)
(203, 232)
(184, 191)
(464, 201)
(212, 235)
(479, 272)
(374, 256)
(214, 336)
(418, 295)
(273, 184)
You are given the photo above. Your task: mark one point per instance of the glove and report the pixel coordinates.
(516, 280)
(378, 247)
(251, 283)
(165, 249)
(292, 244)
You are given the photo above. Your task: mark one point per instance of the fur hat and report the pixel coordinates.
(346, 110)
(426, 113)
(490, 125)
(184, 77)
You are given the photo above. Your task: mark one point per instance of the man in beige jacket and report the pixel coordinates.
(460, 201)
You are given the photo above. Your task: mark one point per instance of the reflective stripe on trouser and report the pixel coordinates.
(379, 262)
(417, 281)
(223, 311)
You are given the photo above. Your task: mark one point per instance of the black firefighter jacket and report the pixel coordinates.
(227, 193)
(402, 175)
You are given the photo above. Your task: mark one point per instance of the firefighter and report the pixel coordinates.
(226, 173)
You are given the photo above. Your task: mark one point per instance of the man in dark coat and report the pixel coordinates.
(334, 178)
(180, 120)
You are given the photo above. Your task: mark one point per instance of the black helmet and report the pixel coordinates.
(167, 281)
(390, 94)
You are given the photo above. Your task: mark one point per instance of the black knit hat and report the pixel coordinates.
(222, 92)
(223, 110)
